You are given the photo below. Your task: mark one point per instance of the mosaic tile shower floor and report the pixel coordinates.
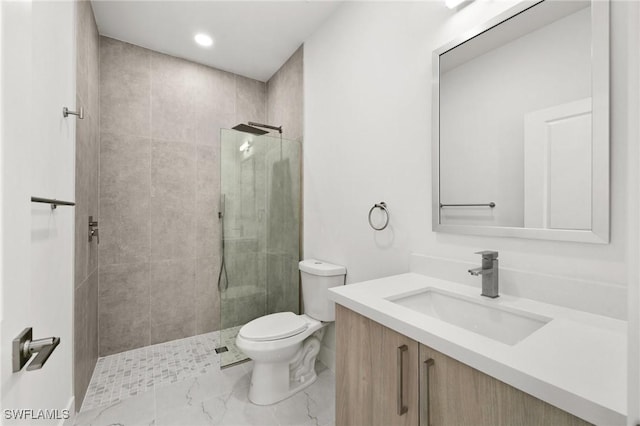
(180, 383)
(228, 340)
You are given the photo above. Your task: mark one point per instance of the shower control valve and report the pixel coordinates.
(93, 230)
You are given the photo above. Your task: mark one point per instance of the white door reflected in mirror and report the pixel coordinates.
(557, 167)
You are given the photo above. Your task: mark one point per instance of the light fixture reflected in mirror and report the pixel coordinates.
(452, 4)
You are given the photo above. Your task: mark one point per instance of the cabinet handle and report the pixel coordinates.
(400, 355)
(424, 414)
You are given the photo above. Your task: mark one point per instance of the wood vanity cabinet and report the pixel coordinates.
(435, 389)
(368, 358)
(457, 394)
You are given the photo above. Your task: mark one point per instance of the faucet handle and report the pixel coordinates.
(488, 254)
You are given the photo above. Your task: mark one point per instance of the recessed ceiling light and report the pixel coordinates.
(203, 40)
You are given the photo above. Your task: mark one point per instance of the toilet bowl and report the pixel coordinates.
(284, 346)
(275, 376)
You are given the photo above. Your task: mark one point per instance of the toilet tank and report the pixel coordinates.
(317, 278)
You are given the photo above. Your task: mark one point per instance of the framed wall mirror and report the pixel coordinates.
(521, 125)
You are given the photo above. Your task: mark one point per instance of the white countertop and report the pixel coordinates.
(577, 362)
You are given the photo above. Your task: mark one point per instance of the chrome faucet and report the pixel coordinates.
(489, 272)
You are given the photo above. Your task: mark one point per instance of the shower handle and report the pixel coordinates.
(93, 230)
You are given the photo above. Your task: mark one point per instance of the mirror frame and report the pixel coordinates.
(600, 180)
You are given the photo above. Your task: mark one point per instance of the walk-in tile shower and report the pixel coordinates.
(260, 219)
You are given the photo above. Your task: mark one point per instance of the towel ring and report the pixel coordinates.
(383, 206)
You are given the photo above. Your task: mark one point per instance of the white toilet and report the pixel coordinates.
(284, 346)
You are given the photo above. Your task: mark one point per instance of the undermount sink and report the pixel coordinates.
(506, 325)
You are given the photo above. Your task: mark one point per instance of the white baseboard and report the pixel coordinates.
(71, 406)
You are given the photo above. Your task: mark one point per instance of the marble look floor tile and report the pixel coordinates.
(180, 383)
(192, 392)
(241, 412)
(296, 411)
(203, 413)
(313, 406)
(321, 397)
(134, 411)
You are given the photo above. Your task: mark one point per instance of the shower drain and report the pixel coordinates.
(221, 349)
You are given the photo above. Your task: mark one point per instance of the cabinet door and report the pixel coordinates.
(376, 373)
(452, 393)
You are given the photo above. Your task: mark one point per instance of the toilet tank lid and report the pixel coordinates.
(318, 267)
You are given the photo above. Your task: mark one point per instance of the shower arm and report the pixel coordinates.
(266, 126)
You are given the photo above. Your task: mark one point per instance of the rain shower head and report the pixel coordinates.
(249, 129)
(252, 127)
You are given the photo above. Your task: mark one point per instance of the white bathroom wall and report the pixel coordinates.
(37, 157)
(633, 102)
(483, 103)
(368, 136)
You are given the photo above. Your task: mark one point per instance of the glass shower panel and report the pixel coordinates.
(283, 225)
(260, 187)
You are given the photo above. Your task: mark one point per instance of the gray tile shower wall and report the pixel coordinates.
(284, 107)
(159, 255)
(124, 305)
(285, 97)
(86, 197)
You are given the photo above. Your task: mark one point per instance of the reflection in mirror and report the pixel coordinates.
(515, 122)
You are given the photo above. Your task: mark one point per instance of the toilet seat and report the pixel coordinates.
(274, 327)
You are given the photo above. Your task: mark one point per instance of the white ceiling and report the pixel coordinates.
(251, 38)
